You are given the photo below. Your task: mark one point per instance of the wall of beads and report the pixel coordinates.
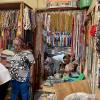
(8, 27)
(15, 19)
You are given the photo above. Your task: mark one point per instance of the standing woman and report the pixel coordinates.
(21, 70)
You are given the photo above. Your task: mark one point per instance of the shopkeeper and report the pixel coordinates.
(21, 69)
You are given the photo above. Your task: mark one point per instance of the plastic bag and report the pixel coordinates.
(80, 96)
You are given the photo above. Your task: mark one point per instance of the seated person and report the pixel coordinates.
(71, 73)
(47, 66)
(66, 60)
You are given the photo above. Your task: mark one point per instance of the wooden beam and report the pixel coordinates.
(58, 9)
(7, 6)
(12, 5)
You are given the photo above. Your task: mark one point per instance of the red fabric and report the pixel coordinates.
(93, 30)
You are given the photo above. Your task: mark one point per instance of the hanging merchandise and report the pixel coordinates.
(45, 20)
(93, 30)
(19, 27)
(56, 39)
(57, 20)
(85, 3)
(70, 25)
(48, 23)
(1, 42)
(69, 40)
(52, 40)
(26, 19)
(52, 23)
(65, 38)
(32, 19)
(67, 16)
(64, 31)
(48, 40)
(29, 25)
(8, 27)
(61, 23)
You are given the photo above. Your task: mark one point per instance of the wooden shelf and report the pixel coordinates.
(7, 6)
(58, 9)
(12, 5)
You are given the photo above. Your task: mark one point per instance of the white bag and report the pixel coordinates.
(4, 75)
(80, 96)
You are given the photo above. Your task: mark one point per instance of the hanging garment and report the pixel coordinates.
(62, 22)
(52, 24)
(48, 23)
(1, 42)
(45, 19)
(19, 27)
(61, 40)
(26, 19)
(57, 22)
(28, 36)
(52, 39)
(67, 21)
(65, 40)
(72, 43)
(70, 23)
(32, 19)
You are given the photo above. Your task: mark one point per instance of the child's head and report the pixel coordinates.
(66, 59)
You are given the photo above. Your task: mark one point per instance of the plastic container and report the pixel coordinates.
(85, 3)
